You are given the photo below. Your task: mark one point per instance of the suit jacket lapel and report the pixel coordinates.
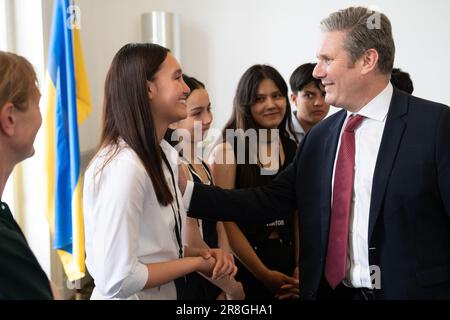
(330, 147)
(392, 136)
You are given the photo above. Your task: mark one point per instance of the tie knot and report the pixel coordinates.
(353, 122)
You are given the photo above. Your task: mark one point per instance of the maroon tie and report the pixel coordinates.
(340, 211)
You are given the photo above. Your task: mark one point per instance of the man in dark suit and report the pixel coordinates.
(371, 183)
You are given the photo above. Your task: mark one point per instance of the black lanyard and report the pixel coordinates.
(176, 213)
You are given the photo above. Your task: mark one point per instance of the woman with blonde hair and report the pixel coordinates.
(21, 276)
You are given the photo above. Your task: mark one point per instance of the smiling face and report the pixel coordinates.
(269, 108)
(341, 78)
(198, 114)
(168, 92)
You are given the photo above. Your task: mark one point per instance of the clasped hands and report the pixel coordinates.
(216, 263)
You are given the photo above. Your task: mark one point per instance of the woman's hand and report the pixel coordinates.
(288, 291)
(206, 266)
(224, 264)
(275, 280)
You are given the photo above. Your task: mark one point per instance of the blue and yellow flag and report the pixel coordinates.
(68, 105)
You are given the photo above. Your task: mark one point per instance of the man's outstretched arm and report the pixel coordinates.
(275, 201)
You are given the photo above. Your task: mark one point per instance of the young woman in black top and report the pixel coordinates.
(267, 252)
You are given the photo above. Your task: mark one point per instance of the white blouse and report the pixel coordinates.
(125, 226)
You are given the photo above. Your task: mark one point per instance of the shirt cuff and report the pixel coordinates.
(188, 195)
(136, 281)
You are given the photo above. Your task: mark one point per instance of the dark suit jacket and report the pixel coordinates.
(409, 225)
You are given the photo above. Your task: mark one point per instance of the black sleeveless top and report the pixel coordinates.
(198, 288)
(258, 234)
(208, 227)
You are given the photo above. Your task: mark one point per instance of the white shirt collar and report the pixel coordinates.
(170, 152)
(172, 155)
(296, 124)
(378, 108)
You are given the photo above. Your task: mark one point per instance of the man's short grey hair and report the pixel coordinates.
(365, 29)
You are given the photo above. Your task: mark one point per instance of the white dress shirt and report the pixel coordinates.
(298, 129)
(126, 227)
(367, 144)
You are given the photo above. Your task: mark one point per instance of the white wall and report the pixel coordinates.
(222, 38)
(3, 34)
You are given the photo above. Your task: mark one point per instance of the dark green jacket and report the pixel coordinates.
(21, 276)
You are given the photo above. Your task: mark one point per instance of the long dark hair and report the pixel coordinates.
(193, 83)
(127, 110)
(244, 99)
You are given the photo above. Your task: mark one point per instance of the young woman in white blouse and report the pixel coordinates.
(134, 217)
